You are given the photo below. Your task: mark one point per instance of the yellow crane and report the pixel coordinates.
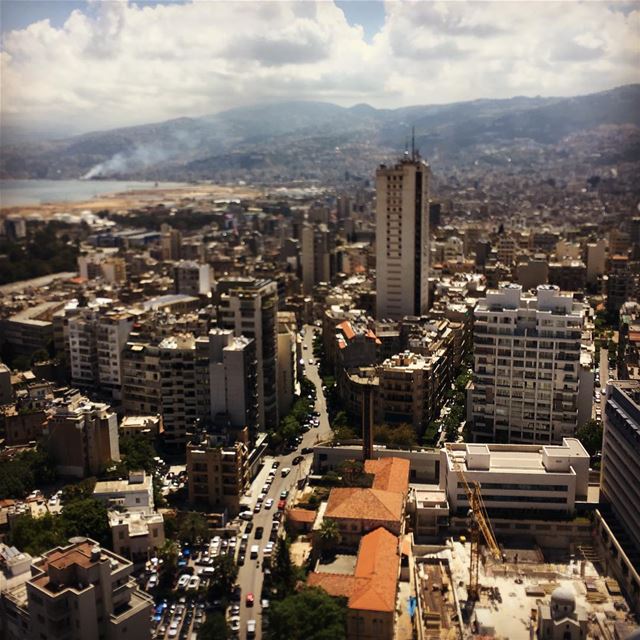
(480, 524)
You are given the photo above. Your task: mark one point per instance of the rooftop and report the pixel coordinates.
(369, 504)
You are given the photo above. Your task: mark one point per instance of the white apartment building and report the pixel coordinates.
(287, 360)
(136, 535)
(77, 592)
(521, 478)
(402, 238)
(95, 339)
(528, 376)
(249, 307)
(134, 494)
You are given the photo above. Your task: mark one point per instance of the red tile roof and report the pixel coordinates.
(301, 515)
(390, 474)
(361, 504)
(347, 329)
(374, 584)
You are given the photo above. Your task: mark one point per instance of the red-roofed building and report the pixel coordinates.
(371, 590)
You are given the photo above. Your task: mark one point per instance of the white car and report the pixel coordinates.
(246, 515)
(285, 472)
(251, 628)
(183, 581)
(268, 503)
(194, 583)
(235, 623)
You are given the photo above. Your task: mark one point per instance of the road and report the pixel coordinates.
(250, 576)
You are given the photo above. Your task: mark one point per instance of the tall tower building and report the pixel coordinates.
(249, 307)
(316, 265)
(402, 238)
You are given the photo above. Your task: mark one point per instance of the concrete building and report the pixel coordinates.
(6, 389)
(232, 377)
(527, 353)
(596, 260)
(621, 284)
(218, 475)
(170, 241)
(410, 388)
(288, 356)
(134, 494)
(103, 264)
(315, 256)
(568, 275)
(532, 272)
(518, 478)
(620, 482)
(562, 619)
(402, 238)
(192, 278)
(136, 535)
(79, 591)
(96, 337)
(30, 330)
(81, 435)
(249, 307)
(146, 426)
(507, 250)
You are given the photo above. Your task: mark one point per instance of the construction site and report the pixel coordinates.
(475, 587)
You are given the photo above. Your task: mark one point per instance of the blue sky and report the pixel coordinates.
(110, 63)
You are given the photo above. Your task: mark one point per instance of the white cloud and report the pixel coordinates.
(116, 63)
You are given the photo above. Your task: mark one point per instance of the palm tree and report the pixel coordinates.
(330, 533)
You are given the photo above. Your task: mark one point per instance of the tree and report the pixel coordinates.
(193, 528)
(78, 491)
(168, 553)
(590, 434)
(215, 628)
(283, 573)
(87, 517)
(329, 533)
(137, 453)
(37, 535)
(225, 576)
(310, 614)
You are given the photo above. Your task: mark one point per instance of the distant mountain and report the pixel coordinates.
(312, 140)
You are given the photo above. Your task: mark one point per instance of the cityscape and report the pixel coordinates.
(293, 366)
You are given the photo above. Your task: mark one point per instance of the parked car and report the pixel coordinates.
(268, 503)
(297, 460)
(306, 450)
(183, 581)
(285, 472)
(251, 628)
(246, 515)
(259, 532)
(276, 464)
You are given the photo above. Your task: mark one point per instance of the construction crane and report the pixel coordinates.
(479, 525)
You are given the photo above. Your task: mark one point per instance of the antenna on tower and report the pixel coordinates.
(413, 143)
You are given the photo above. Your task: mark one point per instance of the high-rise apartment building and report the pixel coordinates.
(622, 283)
(232, 377)
(529, 382)
(620, 482)
(95, 338)
(192, 278)
(218, 475)
(81, 435)
(79, 591)
(402, 238)
(315, 255)
(249, 307)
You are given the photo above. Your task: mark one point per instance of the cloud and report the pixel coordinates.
(116, 63)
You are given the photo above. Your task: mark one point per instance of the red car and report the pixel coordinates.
(249, 601)
(281, 505)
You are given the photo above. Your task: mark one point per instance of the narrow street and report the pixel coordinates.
(250, 575)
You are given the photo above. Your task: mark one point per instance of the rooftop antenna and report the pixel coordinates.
(413, 143)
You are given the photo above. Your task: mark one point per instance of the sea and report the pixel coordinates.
(16, 193)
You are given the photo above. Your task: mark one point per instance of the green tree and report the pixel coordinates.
(193, 528)
(225, 576)
(283, 573)
(137, 453)
(330, 535)
(87, 517)
(37, 535)
(310, 614)
(78, 491)
(590, 434)
(215, 628)
(168, 553)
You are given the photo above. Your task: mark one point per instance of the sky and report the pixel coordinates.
(75, 65)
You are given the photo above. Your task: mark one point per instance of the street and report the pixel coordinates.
(250, 575)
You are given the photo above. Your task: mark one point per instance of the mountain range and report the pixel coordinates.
(313, 140)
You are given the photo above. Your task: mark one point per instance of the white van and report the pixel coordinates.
(255, 549)
(251, 628)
